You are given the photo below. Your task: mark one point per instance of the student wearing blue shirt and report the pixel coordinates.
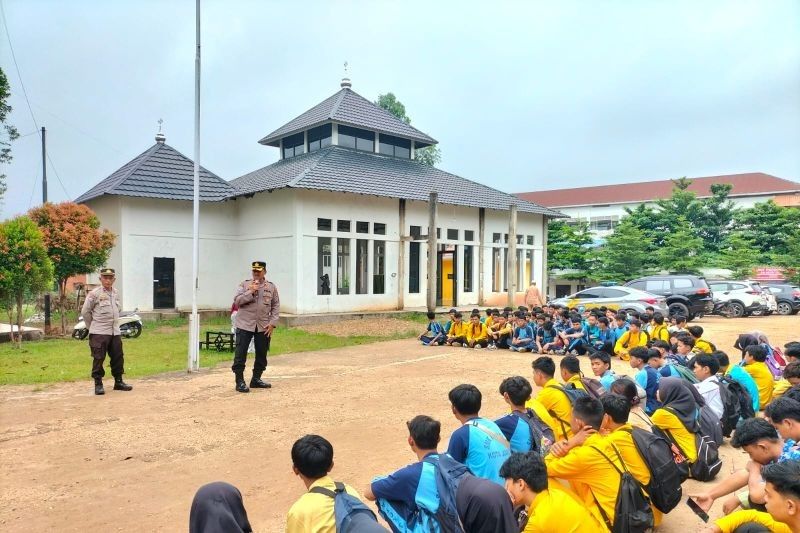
(523, 338)
(516, 391)
(647, 377)
(451, 315)
(601, 368)
(740, 376)
(478, 443)
(574, 337)
(620, 327)
(434, 335)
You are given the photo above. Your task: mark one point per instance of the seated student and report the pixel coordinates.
(647, 377)
(619, 326)
(684, 344)
(700, 344)
(601, 367)
(552, 396)
(790, 378)
(706, 367)
(679, 325)
(489, 320)
(791, 351)
(409, 497)
(451, 316)
(434, 334)
(784, 414)
(501, 331)
(646, 320)
(782, 494)
(602, 339)
(590, 474)
(628, 389)
(659, 330)
(547, 340)
(573, 336)
(312, 460)
(764, 446)
(737, 374)
(571, 371)
(630, 339)
(457, 335)
(218, 507)
(522, 339)
(547, 503)
(754, 357)
(516, 392)
(679, 414)
(665, 367)
(478, 443)
(477, 336)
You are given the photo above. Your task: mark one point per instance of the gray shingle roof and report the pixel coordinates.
(161, 172)
(344, 170)
(349, 107)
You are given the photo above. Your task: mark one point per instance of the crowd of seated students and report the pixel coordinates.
(552, 462)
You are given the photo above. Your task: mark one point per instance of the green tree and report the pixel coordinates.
(430, 155)
(768, 227)
(624, 255)
(682, 250)
(790, 260)
(25, 268)
(8, 133)
(568, 248)
(716, 219)
(736, 254)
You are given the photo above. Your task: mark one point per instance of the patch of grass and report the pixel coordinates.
(414, 316)
(160, 348)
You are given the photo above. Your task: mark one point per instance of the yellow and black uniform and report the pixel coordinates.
(703, 346)
(550, 507)
(458, 332)
(557, 403)
(628, 341)
(622, 439)
(729, 523)
(590, 474)
(489, 321)
(660, 332)
(313, 512)
(781, 386)
(536, 406)
(576, 380)
(667, 421)
(477, 335)
(764, 381)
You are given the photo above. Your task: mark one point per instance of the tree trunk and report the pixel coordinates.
(62, 294)
(19, 319)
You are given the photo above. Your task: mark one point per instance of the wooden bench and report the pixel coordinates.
(218, 340)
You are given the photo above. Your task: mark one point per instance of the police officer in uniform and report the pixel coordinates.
(101, 314)
(259, 306)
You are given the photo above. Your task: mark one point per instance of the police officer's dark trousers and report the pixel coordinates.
(112, 345)
(261, 343)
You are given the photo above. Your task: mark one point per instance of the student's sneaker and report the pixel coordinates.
(559, 352)
(457, 344)
(492, 347)
(521, 350)
(478, 347)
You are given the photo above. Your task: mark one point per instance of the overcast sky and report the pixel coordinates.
(521, 95)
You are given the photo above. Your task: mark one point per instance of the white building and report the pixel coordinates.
(346, 202)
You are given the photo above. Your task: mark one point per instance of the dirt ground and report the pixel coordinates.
(133, 461)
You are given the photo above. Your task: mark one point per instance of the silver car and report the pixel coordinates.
(616, 297)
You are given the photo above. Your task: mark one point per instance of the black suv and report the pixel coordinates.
(686, 294)
(787, 297)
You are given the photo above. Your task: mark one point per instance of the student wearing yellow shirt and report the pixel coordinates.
(500, 332)
(551, 507)
(477, 336)
(700, 344)
(782, 494)
(457, 334)
(660, 330)
(552, 396)
(755, 365)
(630, 339)
(678, 416)
(571, 371)
(592, 477)
(312, 458)
(791, 377)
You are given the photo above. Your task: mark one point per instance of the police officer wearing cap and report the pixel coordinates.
(259, 306)
(101, 313)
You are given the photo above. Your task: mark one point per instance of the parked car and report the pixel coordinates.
(686, 295)
(745, 297)
(787, 297)
(617, 297)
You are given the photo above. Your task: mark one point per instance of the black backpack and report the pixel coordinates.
(664, 487)
(736, 402)
(708, 440)
(540, 432)
(632, 513)
(573, 393)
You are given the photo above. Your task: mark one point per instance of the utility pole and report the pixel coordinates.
(47, 324)
(511, 279)
(433, 254)
(193, 364)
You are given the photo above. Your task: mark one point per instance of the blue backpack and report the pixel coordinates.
(449, 474)
(351, 514)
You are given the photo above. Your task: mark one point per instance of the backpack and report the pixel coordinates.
(736, 402)
(708, 439)
(542, 436)
(351, 514)
(775, 361)
(449, 474)
(632, 513)
(593, 387)
(573, 393)
(664, 487)
(686, 374)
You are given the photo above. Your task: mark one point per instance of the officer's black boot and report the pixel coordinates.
(256, 382)
(121, 385)
(98, 386)
(241, 386)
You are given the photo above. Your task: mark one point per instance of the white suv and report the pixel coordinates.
(746, 297)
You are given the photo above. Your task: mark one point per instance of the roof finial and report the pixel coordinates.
(346, 80)
(160, 137)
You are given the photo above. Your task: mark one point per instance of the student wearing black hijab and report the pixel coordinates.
(679, 414)
(218, 508)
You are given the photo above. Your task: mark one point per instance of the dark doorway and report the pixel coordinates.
(447, 277)
(163, 283)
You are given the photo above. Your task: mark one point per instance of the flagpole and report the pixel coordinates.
(194, 322)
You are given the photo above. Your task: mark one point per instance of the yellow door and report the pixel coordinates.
(447, 280)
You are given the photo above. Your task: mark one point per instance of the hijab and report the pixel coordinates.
(218, 508)
(683, 398)
(745, 340)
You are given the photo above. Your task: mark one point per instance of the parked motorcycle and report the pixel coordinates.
(724, 308)
(130, 326)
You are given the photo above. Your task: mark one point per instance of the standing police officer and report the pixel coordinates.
(101, 314)
(259, 307)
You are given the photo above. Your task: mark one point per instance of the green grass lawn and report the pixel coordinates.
(162, 347)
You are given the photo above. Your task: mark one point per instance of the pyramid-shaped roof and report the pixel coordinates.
(350, 108)
(161, 172)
